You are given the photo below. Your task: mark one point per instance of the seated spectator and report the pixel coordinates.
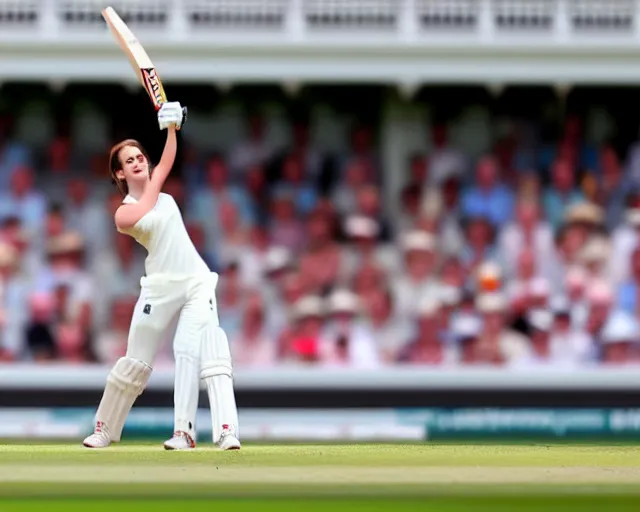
(570, 344)
(619, 340)
(251, 347)
(111, 344)
(629, 292)
(294, 185)
(22, 200)
(346, 338)
(429, 345)
(561, 194)
(321, 262)
(301, 341)
(496, 343)
(419, 279)
(390, 332)
(527, 231)
(363, 247)
(285, 228)
(40, 338)
(488, 198)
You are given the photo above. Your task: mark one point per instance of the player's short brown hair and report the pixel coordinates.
(115, 164)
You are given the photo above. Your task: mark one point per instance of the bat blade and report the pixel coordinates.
(138, 57)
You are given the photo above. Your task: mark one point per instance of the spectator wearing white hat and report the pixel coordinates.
(619, 339)
(570, 343)
(419, 279)
(540, 355)
(363, 247)
(301, 341)
(347, 339)
(465, 329)
(498, 344)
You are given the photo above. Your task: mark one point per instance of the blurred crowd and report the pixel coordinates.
(525, 257)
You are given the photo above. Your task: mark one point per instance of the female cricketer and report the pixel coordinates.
(177, 300)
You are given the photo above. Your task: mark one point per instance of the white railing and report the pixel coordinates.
(54, 376)
(407, 42)
(410, 20)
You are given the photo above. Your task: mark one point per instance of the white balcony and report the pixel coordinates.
(393, 41)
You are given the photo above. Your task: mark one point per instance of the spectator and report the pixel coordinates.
(233, 236)
(363, 247)
(479, 246)
(497, 344)
(117, 274)
(111, 343)
(528, 231)
(390, 332)
(301, 342)
(347, 339)
(623, 242)
(285, 228)
(13, 297)
(86, 215)
(39, 332)
(429, 345)
(24, 201)
(419, 279)
(344, 196)
(252, 347)
(322, 260)
(629, 292)
(561, 194)
(570, 344)
(294, 185)
(311, 159)
(445, 160)
(615, 186)
(620, 340)
(369, 204)
(205, 205)
(488, 198)
(540, 355)
(231, 295)
(255, 149)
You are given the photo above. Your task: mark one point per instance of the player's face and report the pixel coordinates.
(135, 166)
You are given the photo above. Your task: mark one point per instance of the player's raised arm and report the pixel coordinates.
(134, 169)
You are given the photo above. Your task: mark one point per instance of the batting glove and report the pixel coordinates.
(171, 113)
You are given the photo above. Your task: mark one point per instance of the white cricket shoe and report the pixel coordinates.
(180, 441)
(100, 437)
(228, 440)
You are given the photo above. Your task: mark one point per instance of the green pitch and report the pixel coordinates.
(325, 477)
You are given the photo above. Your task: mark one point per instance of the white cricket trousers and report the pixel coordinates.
(182, 308)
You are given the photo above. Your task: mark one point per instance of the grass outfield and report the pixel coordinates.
(359, 477)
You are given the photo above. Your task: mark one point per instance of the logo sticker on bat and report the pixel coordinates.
(153, 85)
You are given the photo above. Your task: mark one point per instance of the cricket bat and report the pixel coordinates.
(142, 65)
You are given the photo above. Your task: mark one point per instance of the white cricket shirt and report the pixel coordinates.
(161, 231)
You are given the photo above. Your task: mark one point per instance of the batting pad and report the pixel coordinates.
(216, 371)
(126, 381)
(186, 350)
